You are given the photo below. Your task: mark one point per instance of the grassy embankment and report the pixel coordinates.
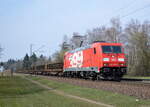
(19, 92)
(106, 97)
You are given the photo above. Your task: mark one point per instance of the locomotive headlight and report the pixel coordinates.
(105, 59)
(120, 59)
(105, 64)
(122, 64)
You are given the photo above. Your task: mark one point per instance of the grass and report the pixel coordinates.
(106, 97)
(16, 86)
(19, 92)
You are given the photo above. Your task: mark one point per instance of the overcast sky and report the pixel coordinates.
(44, 22)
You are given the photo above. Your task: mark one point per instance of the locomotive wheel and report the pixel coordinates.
(99, 77)
(118, 79)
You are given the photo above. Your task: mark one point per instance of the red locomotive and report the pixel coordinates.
(98, 60)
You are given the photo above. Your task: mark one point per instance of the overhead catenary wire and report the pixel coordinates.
(135, 11)
(132, 12)
(126, 6)
(39, 49)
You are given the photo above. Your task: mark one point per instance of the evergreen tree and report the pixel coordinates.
(26, 62)
(9, 63)
(41, 56)
(33, 59)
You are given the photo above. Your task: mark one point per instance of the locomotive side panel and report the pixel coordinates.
(87, 58)
(81, 60)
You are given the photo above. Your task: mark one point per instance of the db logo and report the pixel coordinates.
(76, 60)
(113, 59)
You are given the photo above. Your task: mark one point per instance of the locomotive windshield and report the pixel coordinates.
(111, 49)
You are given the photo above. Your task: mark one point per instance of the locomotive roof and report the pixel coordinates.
(106, 43)
(79, 49)
(89, 46)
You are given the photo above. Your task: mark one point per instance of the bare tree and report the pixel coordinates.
(138, 47)
(97, 34)
(58, 56)
(110, 34)
(1, 49)
(64, 46)
(65, 43)
(113, 33)
(41, 60)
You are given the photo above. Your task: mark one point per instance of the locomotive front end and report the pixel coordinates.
(113, 61)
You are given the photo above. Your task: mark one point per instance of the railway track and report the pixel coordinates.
(136, 81)
(124, 81)
(133, 79)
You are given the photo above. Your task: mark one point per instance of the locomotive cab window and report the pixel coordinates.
(94, 50)
(112, 49)
(106, 49)
(116, 49)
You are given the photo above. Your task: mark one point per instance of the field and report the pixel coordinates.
(106, 97)
(19, 92)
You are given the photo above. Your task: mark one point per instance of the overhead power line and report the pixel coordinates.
(126, 6)
(132, 12)
(39, 49)
(135, 11)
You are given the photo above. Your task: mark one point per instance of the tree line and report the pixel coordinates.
(135, 36)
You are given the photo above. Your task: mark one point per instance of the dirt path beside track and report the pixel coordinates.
(69, 95)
